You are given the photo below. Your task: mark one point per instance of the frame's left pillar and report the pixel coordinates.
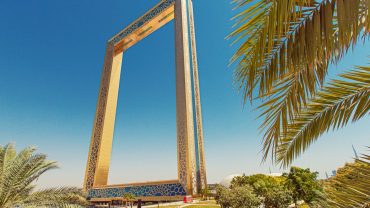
(102, 136)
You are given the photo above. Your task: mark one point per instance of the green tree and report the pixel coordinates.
(237, 197)
(277, 197)
(204, 193)
(129, 198)
(286, 48)
(243, 197)
(248, 180)
(19, 172)
(223, 196)
(304, 185)
(271, 189)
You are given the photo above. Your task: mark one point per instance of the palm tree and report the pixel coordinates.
(19, 171)
(350, 186)
(286, 48)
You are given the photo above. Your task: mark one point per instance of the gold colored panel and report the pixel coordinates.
(202, 183)
(145, 30)
(103, 162)
(184, 105)
(101, 141)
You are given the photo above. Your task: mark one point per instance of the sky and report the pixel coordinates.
(51, 58)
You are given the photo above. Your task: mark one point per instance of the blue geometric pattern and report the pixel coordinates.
(171, 189)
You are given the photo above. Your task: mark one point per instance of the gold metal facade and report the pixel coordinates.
(191, 176)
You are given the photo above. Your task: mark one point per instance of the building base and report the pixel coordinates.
(147, 191)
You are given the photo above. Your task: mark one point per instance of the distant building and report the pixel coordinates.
(274, 174)
(227, 180)
(355, 152)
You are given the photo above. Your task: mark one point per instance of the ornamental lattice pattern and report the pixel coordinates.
(165, 4)
(160, 190)
(99, 120)
(185, 143)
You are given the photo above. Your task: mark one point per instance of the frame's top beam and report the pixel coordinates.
(144, 23)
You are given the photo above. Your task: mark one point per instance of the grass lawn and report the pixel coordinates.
(201, 204)
(207, 202)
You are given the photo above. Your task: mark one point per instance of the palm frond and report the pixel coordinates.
(56, 197)
(262, 27)
(350, 186)
(282, 103)
(343, 100)
(19, 171)
(285, 57)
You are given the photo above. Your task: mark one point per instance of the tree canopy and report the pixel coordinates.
(281, 191)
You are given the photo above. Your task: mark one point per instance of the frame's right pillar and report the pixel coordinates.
(191, 161)
(184, 102)
(201, 166)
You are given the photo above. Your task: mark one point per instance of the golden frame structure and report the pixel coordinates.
(190, 144)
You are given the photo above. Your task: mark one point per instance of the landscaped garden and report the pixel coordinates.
(282, 63)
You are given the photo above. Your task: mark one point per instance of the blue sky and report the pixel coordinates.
(51, 57)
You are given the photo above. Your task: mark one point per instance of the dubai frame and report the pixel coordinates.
(190, 147)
